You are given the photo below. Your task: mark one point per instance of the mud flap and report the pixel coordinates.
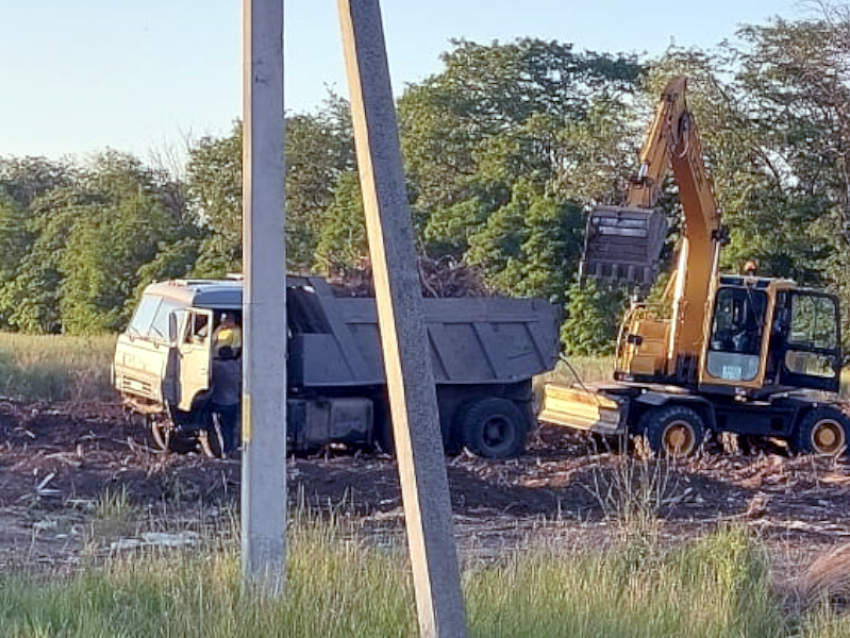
(623, 245)
(582, 409)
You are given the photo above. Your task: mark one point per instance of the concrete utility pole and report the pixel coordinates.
(264, 302)
(406, 347)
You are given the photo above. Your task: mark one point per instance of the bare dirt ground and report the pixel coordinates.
(58, 462)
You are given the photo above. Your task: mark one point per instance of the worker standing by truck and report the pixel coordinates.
(226, 397)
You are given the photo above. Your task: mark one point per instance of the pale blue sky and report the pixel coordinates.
(81, 75)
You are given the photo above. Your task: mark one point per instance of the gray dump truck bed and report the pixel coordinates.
(475, 340)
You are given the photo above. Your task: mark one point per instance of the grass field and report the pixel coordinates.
(56, 368)
(340, 585)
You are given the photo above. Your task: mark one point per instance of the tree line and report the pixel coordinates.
(505, 149)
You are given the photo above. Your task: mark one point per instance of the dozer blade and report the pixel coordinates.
(623, 245)
(581, 408)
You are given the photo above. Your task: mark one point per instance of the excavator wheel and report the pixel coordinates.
(823, 430)
(672, 431)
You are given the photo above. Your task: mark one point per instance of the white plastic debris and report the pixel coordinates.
(124, 544)
(162, 539)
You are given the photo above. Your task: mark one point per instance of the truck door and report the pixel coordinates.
(810, 352)
(194, 352)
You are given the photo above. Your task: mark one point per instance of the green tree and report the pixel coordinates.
(214, 184)
(319, 147)
(342, 243)
(114, 246)
(593, 319)
(796, 77)
(531, 246)
(27, 178)
(498, 114)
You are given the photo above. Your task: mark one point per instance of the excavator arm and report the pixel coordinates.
(624, 243)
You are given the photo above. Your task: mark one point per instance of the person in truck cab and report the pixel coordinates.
(228, 333)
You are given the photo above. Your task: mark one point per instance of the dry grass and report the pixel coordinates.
(56, 368)
(825, 583)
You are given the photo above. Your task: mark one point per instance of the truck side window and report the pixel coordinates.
(198, 329)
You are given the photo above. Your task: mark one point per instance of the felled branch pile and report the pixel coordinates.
(439, 278)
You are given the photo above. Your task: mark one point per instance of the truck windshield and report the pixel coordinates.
(151, 317)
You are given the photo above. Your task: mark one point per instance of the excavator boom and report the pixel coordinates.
(624, 244)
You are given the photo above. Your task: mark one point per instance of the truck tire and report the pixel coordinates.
(672, 431)
(211, 439)
(382, 433)
(493, 428)
(822, 430)
(170, 438)
(161, 431)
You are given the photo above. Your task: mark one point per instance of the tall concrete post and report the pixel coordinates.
(264, 301)
(406, 346)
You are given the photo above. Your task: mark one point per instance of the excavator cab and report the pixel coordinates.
(767, 333)
(623, 245)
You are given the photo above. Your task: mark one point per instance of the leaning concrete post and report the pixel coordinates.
(406, 347)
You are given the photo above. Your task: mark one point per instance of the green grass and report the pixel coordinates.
(56, 368)
(580, 370)
(339, 586)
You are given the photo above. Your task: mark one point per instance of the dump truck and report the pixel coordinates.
(739, 353)
(484, 351)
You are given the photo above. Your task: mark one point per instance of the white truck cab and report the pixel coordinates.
(163, 359)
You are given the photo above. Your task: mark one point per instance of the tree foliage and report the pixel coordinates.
(505, 148)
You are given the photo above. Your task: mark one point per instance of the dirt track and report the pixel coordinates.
(55, 461)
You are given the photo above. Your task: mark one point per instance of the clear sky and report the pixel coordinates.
(80, 75)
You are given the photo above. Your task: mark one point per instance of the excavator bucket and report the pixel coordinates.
(623, 245)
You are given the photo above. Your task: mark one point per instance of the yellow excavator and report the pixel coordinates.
(740, 353)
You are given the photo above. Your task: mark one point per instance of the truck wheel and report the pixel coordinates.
(382, 434)
(160, 432)
(822, 430)
(673, 431)
(169, 437)
(212, 441)
(493, 428)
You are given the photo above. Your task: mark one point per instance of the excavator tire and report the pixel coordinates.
(672, 431)
(822, 430)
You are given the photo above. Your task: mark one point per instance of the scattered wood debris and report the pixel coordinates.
(439, 278)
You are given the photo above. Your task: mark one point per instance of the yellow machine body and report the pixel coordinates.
(717, 345)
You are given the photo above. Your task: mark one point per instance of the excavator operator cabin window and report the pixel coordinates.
(736, 334)
(812, 345)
